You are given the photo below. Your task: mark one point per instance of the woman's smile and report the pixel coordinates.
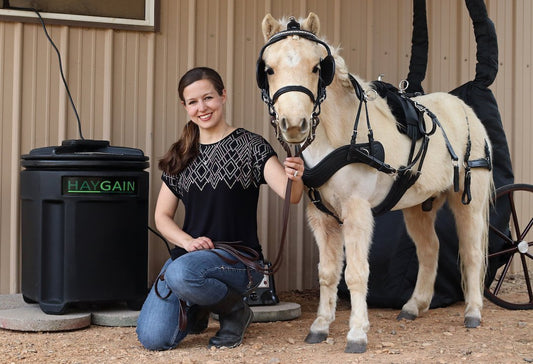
(205, 117)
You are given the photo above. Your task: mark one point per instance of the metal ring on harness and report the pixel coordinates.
(403, 86)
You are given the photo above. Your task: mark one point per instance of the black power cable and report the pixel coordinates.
(7, 6)
(162, 238)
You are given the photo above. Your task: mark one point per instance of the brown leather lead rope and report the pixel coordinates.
(286, 206)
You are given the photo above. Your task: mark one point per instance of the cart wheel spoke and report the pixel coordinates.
(526, 277)
(512, 287)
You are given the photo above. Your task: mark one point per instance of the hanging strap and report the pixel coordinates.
(419, 48)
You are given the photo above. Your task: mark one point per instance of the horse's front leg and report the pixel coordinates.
(357, 229)
(328, 237)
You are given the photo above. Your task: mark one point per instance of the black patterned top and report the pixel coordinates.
(220, 188)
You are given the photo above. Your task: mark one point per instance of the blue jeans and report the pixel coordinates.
(199, 277)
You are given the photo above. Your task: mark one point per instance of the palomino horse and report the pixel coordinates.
(382, 171)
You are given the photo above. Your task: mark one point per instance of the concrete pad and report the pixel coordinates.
(282, 311)
(117, 316)
(9, 301)
(32, 318)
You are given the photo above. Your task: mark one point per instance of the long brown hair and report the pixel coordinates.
(182, 152)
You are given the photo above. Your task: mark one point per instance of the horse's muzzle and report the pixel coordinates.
(294, 132)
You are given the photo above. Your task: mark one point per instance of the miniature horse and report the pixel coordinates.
(386, 170)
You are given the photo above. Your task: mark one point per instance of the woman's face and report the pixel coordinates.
(203, 104)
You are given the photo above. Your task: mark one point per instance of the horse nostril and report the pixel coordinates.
(304, 125)
(283, 124)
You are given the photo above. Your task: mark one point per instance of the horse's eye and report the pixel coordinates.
(269, 71)
(316, 68)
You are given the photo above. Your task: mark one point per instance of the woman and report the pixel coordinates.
(216, 171)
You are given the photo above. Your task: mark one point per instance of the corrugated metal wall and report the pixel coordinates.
(124, 85)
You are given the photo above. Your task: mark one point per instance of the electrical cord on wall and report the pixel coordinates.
(6, 5)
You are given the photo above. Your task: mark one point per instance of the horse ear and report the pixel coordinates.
(270, 26)
(311, 24)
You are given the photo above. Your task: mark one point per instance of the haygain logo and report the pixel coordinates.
(99, 185)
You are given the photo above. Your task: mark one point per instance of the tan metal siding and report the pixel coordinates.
(521, 104)
(124, 86)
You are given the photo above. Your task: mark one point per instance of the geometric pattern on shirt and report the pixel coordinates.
(238, 158)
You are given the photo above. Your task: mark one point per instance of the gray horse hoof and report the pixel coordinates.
(404, 315)
(355, 347)
(315, 338)
(472, 322)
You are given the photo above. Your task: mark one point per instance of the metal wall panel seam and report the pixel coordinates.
(4, 260)
(369, 37)
(123, 86)
(33, 104)
(16, 121)
(191, 35)
(303, 8)
(149, 125)
(63, 97)
(230, 57)
(518, 29)
(337, 22)
(107, 111)
(136, 73)
(48, 88)
(92, 93)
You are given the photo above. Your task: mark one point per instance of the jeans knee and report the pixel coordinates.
(178, 277)
(149, 341)
(152, 341)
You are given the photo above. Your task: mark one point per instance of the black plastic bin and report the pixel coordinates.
(84, 218)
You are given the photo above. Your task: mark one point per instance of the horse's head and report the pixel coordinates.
(293, 70)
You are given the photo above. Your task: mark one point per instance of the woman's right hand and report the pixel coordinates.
(200, 243)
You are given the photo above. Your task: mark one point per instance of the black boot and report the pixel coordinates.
(197, 319)
(234, 316)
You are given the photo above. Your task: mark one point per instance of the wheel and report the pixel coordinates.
(513, 290)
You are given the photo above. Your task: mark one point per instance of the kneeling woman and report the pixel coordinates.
(216, 171)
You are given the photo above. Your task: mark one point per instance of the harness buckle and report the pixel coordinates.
(420, 107)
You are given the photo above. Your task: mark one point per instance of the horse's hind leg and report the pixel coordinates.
(472, 229)
(329, 240)
(421, 228)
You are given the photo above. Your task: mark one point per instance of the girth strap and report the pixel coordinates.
(406, 178)
(316, 199)
(370, 154)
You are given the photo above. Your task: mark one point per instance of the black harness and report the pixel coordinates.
(408, 113)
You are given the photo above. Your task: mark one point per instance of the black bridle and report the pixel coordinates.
(326, 74)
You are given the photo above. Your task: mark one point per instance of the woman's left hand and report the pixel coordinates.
(294, 168)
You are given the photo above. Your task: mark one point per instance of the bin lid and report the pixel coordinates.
(85, 153)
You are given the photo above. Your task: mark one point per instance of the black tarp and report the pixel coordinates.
(393, 260)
